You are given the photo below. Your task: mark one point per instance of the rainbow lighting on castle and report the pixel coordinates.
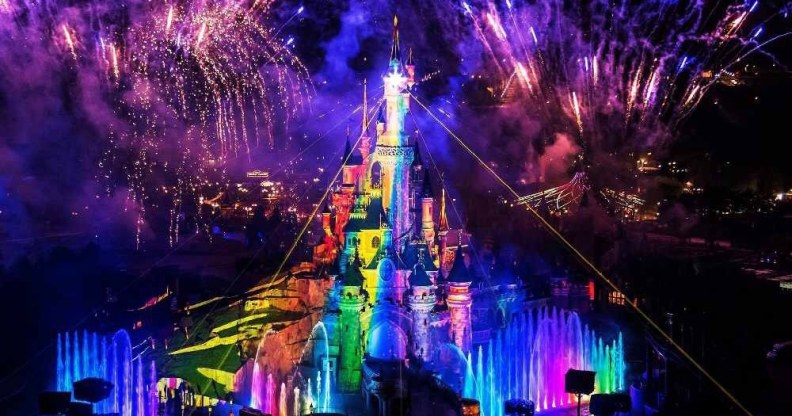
(404, 294)
(389, 305)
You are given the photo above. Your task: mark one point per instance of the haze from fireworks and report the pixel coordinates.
(176, 93)
(617, 76)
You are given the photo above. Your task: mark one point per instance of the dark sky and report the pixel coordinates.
(740, 134)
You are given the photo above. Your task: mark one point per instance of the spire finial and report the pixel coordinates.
(365, 105)
(395, 47)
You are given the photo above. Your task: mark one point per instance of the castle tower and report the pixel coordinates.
(459, 302)
(350, 304)
(409, 67)
(416, 181)
(392, 153)
(427, 212)
(421, 300)
(442, 228)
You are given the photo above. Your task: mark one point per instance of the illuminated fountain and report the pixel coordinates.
(89, 355)
(530, 357)
(267, 395)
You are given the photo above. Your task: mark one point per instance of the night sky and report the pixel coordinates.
(111, 125)
(57, 119)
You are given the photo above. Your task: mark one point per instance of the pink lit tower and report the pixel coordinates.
(421, 298)
(459, 302)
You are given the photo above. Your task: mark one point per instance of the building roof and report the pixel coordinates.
(418, 277)
(351, 157)
(353, 276)
(375, 217)
(417, 156)
(459, 273)
(426, 188)
(356, 159)
(347, 151)
(414, 252)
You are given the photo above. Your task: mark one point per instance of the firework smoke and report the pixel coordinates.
(619, 77)
(175, 91)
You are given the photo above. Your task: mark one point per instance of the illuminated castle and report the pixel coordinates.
(402, 289)
(405, 298)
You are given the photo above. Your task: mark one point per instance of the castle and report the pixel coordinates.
(403, 285)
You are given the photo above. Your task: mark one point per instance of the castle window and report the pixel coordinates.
(375, 242)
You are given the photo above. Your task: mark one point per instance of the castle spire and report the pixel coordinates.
(443, 219)
(347, 148)
(394, 56)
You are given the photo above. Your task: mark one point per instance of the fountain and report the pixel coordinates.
(326, 388)
(530, 356)
(153, 394)
(268, 396)
(296, 409)
(269, 407)
(308, 400)
(282, 405)
(257, 386)
(84, 355)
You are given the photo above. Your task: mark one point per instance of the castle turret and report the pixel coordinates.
(416, 184)
(393, 154)
(421, 300)
(427, 212)
(349, 170)
(326, 220)
(442, 233)
(459, 302)
(410, 69)
(351, 304)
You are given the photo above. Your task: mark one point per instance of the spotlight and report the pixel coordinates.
(579, 382)
(92, 390)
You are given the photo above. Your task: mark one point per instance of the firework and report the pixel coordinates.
(194, 85)
(615, 73)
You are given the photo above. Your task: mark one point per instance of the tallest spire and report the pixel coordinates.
(395, 53)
